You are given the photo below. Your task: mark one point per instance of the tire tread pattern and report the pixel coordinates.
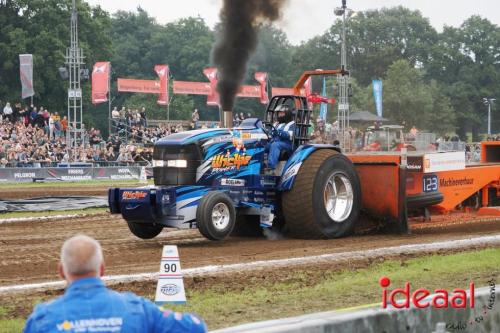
(297, 204)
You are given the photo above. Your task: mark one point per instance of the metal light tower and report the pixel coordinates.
(74, 60)
(343, 81)
(488, 102)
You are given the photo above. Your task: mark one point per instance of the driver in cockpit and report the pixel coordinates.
(282, 135)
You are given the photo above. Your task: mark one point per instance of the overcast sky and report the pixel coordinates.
(303, 19)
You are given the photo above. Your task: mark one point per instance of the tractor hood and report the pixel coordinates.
(177, 156)
(189, 137)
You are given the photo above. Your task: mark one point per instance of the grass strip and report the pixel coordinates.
(300, 291)
(11, 325)
(304, 292)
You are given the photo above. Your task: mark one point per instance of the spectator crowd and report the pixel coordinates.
(35, 137)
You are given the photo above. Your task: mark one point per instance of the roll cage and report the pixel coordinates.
(301, 115)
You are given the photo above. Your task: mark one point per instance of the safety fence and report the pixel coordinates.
(74, 173)
(483, 317)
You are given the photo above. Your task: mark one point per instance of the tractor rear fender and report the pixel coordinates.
(295, 161)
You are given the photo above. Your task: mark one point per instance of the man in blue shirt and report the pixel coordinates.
(282, 135)
(88, 306)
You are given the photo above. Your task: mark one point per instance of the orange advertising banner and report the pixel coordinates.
(282, 91)
(191, 88)
(249, 91)
(139, 86)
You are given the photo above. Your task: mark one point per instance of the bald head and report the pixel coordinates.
(81, 256)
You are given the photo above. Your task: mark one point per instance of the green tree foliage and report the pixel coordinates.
(41, 27)
(466, 60)
(377, 38)
(408, 98)
(320, 52)
(184, 45)
(131, 34)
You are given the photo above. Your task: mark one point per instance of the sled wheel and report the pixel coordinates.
(325, 199)
(215, 216)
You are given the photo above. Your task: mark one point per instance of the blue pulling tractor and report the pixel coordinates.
(216, 180)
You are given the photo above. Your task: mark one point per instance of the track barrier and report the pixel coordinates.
(73, 173)
(52, 204)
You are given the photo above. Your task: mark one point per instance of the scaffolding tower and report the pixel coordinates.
(75, 136)
(343, 82)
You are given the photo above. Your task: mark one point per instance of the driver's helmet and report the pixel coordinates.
(282, 108)
(283, 113)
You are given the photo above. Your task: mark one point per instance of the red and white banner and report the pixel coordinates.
(249, 91)
(213, 97)
(163, 74)
(192, 88)
(261, 77)
(139, 86)
(100, 82)
(26, 72)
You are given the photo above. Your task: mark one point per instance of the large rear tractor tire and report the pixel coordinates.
(144, 231)
(325, 200)
(215, 215)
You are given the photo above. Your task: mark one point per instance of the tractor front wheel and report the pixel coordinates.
(326, 198)
(215, 215)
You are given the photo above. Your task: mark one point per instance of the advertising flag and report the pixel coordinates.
(100, 82)
(261, 77)
(213, 97)
(26, 72)
(163, 74)
(324, 106)
(377, 95)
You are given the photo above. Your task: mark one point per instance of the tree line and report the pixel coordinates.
(433, 80)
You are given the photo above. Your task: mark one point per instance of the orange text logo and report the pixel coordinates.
(221, 161)
(128, 195)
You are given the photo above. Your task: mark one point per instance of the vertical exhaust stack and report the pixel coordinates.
(228, 119)
(235, 44)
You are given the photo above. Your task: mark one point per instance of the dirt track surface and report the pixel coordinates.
(52, 191)
(30, 250)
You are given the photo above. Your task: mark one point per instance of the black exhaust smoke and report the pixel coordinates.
(238, 40)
